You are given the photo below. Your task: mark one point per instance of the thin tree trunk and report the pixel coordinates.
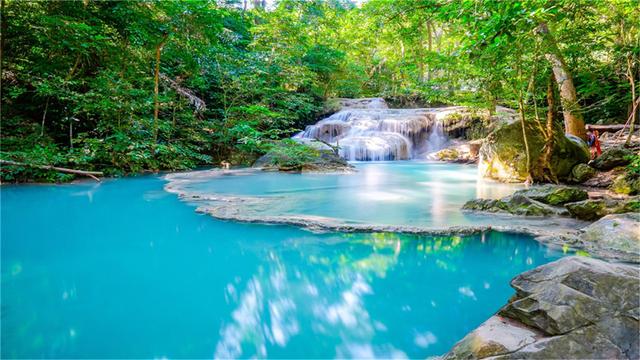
(429, 47)
(156, 101)
(3, 35)
(547, 151)
(573, 121)
(524, 137)
(634, 110)
(44, 116)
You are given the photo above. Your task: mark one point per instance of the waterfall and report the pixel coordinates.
(376, 132)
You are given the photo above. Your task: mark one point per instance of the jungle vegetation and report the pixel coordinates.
(129, 86)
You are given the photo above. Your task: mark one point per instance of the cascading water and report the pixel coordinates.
(371, 131)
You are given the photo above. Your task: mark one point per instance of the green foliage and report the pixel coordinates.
(291, 154)
(78, 77)
(634, 164)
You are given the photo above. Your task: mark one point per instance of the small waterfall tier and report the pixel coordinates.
(378, 133)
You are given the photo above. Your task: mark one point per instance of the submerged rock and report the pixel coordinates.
(581, 173)
(612, 158)
(618, 234)
(503, 155)
(573, 308)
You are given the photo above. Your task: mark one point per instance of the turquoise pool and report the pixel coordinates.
(126, 269)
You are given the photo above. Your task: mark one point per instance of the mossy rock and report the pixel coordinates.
(581, 173)
(554, 195)
(612, 158)
(517, 204)
(503, 155)
(626, 184)
(588, 209)
(448, 155)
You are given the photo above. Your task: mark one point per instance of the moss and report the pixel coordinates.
(627, 184)
(504, 156)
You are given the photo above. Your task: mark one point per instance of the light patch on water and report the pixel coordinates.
(379, 326)
(350, 311)
(466, 291)
(383, 196)
(246, 325)
(283, 322)
(425, 339)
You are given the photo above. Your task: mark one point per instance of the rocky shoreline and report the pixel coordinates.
(575, 307)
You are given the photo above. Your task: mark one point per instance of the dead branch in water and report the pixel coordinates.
(91, 174)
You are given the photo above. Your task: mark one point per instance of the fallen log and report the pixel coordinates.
(605, 128)
(91, 174)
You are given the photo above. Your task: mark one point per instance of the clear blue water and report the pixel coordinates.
(416, 193)
(125, 269)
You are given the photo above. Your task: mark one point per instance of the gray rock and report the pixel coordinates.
(573, 308)
(612, 158)
(618, 234)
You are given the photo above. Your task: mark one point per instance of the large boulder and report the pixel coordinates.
(503, 155)
(573, 308)
(617, 235)
(611, 158)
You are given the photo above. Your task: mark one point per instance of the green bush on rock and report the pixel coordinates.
(290, 155)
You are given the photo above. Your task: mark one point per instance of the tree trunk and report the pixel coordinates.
(547, 151)
(634, 110)
(524, 137)
(156, 102)
(573, 121)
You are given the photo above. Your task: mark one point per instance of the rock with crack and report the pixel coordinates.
(573, 308)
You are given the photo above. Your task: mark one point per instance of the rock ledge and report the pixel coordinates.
(573, 308)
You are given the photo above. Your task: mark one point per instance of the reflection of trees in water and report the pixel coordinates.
(306, 288)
